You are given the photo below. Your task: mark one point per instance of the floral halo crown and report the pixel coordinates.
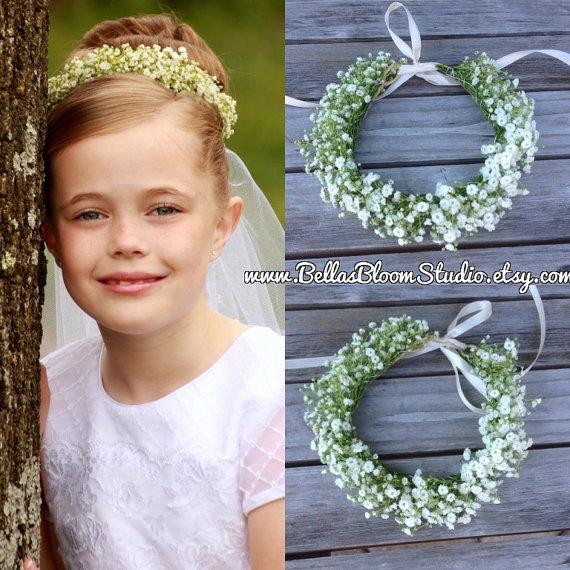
(171, 68)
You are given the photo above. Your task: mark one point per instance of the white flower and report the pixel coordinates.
(339, 162)
(437, 216)
(173, 70)
(509, 345)
(357, 447)
(445, 215)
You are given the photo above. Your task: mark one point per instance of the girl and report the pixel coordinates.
(162, 437)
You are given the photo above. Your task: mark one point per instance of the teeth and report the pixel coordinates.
(112, 282)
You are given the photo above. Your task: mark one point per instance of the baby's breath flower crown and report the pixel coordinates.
(416, 500)
(171, 68)
(454, 210)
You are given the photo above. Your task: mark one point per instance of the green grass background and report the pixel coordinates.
(247, 35)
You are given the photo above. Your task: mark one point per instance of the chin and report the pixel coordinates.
(130, 327)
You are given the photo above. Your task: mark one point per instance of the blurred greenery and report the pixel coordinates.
(247, 35)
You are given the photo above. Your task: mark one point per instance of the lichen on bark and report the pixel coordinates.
(23, 97)
(21, 505)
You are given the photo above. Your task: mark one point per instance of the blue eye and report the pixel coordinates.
(166, 207)
(170, 210)
(80, 216)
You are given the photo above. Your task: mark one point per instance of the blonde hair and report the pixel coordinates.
(112, 103)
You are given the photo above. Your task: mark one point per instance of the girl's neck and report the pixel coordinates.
(142, 368)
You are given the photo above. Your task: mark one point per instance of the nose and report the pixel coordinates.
(127, 238)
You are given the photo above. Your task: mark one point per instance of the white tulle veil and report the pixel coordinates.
(257, 244)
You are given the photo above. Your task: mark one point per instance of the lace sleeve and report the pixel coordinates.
(262, 469)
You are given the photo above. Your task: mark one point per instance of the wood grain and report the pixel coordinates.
(416, 415)
(313, 333)
(317, 20)
(529, 554)
(323, 519)
(310, 67)
(533, 258)
(420, 130)
(314, 229)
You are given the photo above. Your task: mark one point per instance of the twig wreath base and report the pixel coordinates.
(417, 500)
(453, 210)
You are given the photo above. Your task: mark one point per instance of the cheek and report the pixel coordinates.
(77, 248)
(190, 247)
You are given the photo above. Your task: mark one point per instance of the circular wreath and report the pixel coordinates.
(454, 209)
(420, 500)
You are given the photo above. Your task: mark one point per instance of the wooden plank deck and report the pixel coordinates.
(413, 416)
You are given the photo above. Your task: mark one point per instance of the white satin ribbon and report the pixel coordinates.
(449, 345)
(480, 311)
(427, 70)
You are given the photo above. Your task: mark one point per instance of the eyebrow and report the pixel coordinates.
(150, 193)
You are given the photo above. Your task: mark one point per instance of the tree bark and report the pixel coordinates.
(24, 28)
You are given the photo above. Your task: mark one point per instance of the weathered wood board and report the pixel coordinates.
(412, 416)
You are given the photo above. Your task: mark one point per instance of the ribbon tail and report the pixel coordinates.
(296, 363)
(563, 56)
(463, 396)
(292, 102)
(400, 81)
(542, 318)
(458, 363)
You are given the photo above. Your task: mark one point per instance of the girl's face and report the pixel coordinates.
(135, 201)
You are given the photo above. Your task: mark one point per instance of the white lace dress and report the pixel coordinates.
(165, 484)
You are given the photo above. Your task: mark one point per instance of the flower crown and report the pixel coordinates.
(172, 69)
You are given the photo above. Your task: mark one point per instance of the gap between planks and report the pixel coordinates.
(406, 38)
(422, 454)
(411, 545)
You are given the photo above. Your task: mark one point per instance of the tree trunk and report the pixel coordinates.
(24, 28)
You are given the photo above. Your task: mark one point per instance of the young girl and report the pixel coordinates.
(162, 437)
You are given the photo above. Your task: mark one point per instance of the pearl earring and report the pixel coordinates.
(213, 253)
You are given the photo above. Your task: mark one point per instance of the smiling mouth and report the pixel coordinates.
(131, 281)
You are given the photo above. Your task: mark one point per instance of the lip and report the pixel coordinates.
(129, 276)
(134, 288)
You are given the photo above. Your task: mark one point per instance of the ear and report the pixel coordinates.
(227, 222)
(48, 235)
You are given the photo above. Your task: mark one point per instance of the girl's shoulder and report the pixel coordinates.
(259, 359)
(70, 356)
(59, 371)
(263, 347)
(261, 337)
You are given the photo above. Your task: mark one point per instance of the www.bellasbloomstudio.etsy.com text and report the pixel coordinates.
(426, 273)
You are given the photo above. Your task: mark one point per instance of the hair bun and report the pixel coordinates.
(162, 29)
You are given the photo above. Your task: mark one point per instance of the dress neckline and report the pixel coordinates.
(235, 343)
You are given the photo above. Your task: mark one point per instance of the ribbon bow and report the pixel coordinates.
(449, 345)
(428, 70)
